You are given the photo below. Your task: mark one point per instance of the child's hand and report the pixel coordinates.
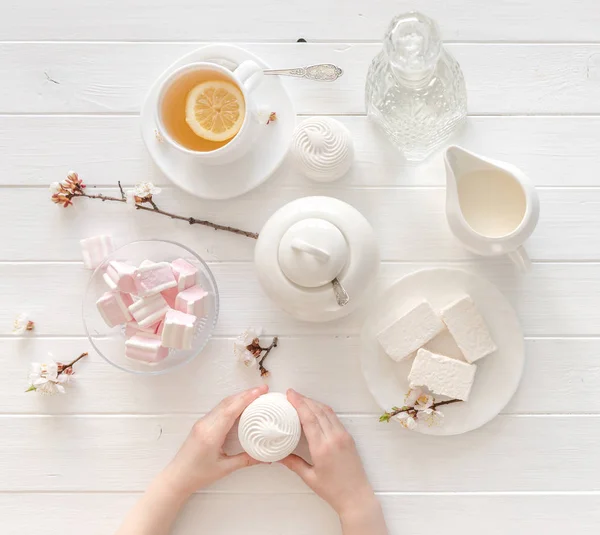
(337, 473)
(201, 460)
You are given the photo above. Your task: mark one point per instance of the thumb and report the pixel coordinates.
(239, 461)
(299, 466)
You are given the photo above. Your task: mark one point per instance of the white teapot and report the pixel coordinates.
(491, 206)
(316, 257)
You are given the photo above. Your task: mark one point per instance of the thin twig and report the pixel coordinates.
(67, 366)
(154, 208)
(123, 196)
(267, 350)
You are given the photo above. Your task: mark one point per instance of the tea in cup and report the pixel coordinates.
(205, 110)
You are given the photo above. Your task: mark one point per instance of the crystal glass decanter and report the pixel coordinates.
(415, 89)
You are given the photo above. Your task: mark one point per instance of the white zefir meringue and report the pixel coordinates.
(322, 148)
(269, 428)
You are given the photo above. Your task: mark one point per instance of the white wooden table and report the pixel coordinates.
(73, 78)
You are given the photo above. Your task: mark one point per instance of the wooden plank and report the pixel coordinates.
(115, 453)
(115, 77)
(553, 299)
(410, 224)
(299, 514)
(561, 376)
(139, 20)
(39, 149)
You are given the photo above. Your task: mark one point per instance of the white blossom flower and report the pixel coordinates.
(55, 187)
(240, 347)
(406, 420)
(423, 402)
(412, 396)
(143, 190)
(45, 379)
(22, 324)
(262, 114)
(431, 416)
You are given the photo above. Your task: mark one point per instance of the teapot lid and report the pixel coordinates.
(306, 245)
(312, 252)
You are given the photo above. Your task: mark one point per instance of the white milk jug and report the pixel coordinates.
(491, 206)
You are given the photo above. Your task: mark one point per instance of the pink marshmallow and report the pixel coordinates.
(178, 330)
(185, 273)
(113, 307)
(191, 301)
(95, 250)
(153, 279)
(170, 296)
(145, 348)
(121, 275)
(133, 328)
(149, 310)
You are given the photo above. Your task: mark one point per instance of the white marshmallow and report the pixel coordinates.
(442, 375)
(410, 332)
(468, 329)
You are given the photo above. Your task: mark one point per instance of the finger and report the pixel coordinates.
(335, 422)
(237, 462)
(229, 410)
(299, 466)
(308, 419)
(320, 411)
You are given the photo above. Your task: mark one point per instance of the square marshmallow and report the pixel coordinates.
(469, 330)
(121, 276)
(149, 310)
(442, 375)
(113, 307)
(410, 332)
(153, 279)
(178, 330)
(191, 301)
(95, 250)
(145, 348)
(185, 273)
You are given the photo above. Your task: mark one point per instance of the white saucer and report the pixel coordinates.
(249, 171)
(498, 375)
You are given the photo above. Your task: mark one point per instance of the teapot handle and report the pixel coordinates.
(301, 245)
(520, 258)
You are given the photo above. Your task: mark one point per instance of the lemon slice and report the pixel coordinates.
(215, 110)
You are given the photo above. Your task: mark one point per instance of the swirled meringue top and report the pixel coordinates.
(269, 428)
(323, 148)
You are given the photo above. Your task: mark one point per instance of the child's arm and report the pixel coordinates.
(200, 462)
(337, 474)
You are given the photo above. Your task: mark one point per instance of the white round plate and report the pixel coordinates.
(497, 376)
(250, 170)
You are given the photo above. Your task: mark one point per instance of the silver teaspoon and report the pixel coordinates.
(324, 72)
(341, 295)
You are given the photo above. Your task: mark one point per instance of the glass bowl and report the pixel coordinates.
(109, 342)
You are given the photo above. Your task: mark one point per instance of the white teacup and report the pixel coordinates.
(247, 77)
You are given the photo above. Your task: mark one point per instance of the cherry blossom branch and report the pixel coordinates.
(387, 416)
(64, 193)
(263, 371)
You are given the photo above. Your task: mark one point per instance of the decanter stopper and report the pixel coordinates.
(413, 46)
